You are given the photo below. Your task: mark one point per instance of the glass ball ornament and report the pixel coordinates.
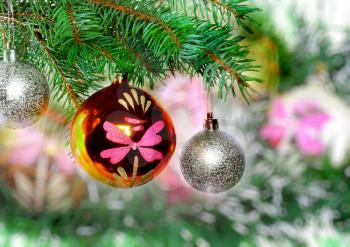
(212, 161)
(24, 92)
(122, 137)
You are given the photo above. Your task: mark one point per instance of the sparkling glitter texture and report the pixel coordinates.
(24, 93)
(122, 137)
(212, 161)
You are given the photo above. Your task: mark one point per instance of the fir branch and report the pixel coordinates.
(146, 60)
(79, 39)
(228, 8)
(137, 55)
(73, 96)
(103, 52)
(239, 79)
(33, 16)
(222, 60)
(217, 60)
(74, 23)
(219, 12)
(143, 16)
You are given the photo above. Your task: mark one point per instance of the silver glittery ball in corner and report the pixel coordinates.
(24, 92)
(212, 161)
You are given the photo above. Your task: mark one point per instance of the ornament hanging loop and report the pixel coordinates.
(210, 123)
(120, 79)
(11, 25)
(9, 56)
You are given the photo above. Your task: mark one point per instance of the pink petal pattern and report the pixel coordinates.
(150, 155)
(114, 134)
(115, 154)
(150, 138)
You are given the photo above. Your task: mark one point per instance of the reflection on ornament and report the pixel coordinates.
(24, 92)
(125, 128)
(15, 89)
(211, 156)
(122, 137)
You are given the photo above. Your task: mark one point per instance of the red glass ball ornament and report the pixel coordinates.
(122, 137)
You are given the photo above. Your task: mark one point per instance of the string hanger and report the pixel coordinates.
(11, 25)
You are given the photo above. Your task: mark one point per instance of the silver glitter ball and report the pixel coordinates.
(24, 92)
(212, 161)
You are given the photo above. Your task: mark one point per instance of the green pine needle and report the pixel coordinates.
(73, 42)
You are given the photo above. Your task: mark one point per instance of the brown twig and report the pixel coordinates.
(4, 38)
(228, 69)
(74, 23)
(103, 52)
(219, 61)
(227, 8)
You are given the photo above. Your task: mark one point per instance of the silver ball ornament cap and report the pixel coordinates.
(212, 161)
(9, 56)
(24, 92)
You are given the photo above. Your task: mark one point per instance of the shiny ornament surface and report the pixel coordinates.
(122, 137)
(212, 161)
(24, 93)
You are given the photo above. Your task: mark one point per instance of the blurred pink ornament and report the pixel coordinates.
(303, 123)
(276, 129)
(31, 143)
(183, 93)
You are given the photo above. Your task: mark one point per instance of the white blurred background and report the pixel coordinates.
(334, 13)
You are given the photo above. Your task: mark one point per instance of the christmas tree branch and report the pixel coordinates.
(227, 67)
(74, 23)
(128, 10)
(73, 96)
(228, 8)
(103, 52)
(153, 70)
(74, 41)
(137, 55)
(218, 11)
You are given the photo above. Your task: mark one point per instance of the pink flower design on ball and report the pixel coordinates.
(149, 139)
